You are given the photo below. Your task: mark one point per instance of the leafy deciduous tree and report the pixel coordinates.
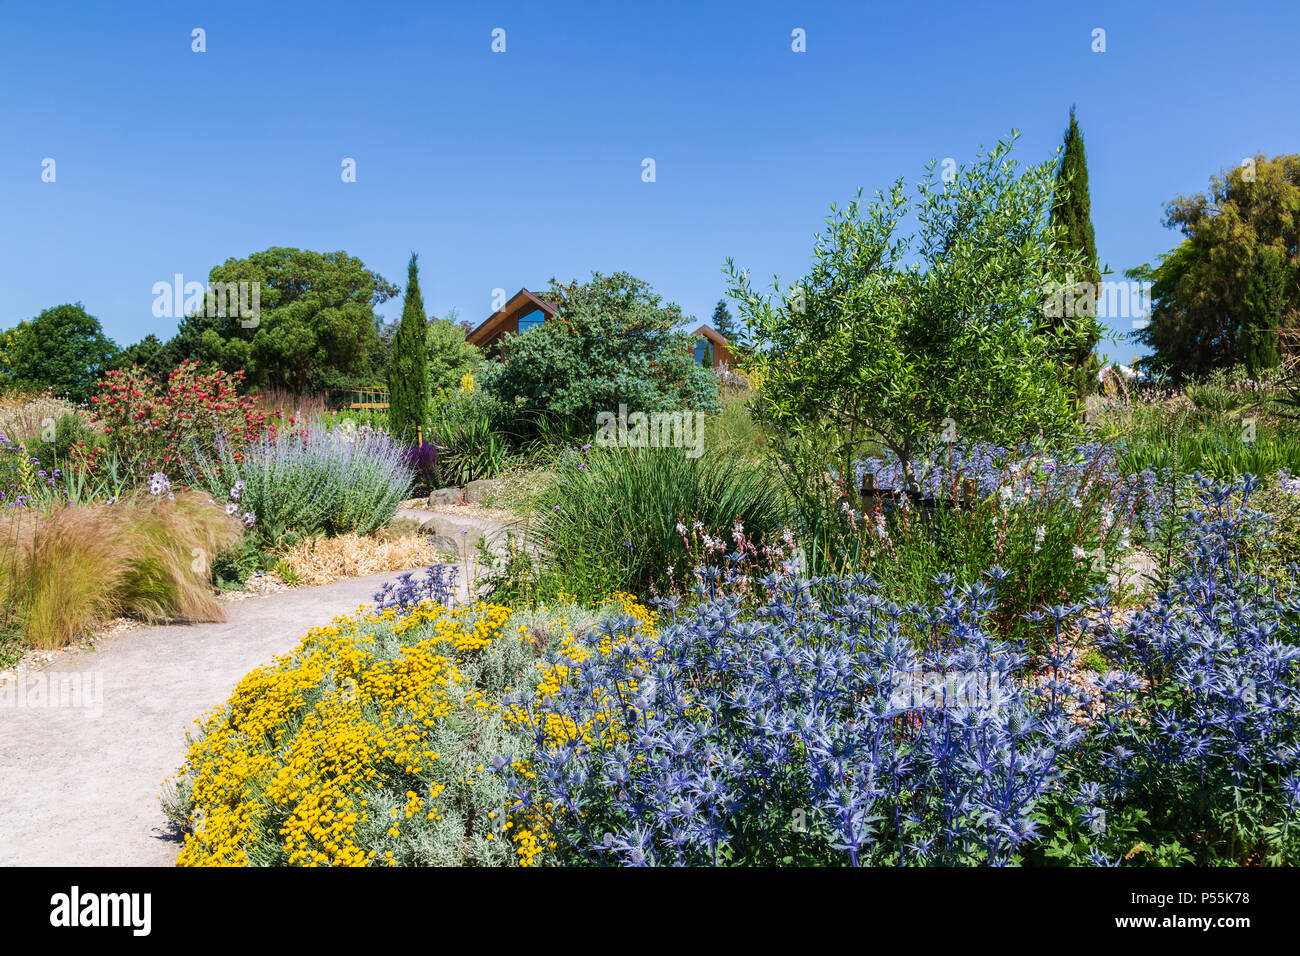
(316, 328)
(613, 342)
(1235, 275)
(896, 341)
(63, 349)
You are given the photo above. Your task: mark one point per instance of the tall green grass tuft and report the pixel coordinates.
(1225, 446)
(609, 519)
(65, 569)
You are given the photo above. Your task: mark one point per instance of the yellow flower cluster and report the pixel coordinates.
(288, 768)
(301, 740)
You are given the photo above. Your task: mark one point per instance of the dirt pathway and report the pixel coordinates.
(79, 784)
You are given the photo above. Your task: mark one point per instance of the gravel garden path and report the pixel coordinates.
(80, 788)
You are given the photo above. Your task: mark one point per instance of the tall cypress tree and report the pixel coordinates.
(408, 387)
(1072, 212)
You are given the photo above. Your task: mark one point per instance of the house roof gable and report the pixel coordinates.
(489, 328)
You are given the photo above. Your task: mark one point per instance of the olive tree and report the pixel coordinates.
(898, 339)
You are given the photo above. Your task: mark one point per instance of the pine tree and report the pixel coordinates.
(724, 324)
(408, 388)
(1072, 213)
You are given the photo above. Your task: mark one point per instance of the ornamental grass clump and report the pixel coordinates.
(611, 515)
(311, 481)
(147, 557)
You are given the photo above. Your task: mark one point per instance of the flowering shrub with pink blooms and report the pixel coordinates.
(151, 426)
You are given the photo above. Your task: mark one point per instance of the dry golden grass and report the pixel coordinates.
(325, 560)
(285, 404)
(24, 414)
(65, 570)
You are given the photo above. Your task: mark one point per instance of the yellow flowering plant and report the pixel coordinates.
(373, 742)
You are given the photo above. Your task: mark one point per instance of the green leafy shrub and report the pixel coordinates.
(71, 430)
(450, 357)
(466, 428)
(892, 340)
(613, 342)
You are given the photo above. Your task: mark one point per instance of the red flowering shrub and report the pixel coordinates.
(152, 426)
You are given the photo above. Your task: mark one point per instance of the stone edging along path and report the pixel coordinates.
(81, 789)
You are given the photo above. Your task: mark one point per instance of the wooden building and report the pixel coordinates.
(521, 313)
(525, 310)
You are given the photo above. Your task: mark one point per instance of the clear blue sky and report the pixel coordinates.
(503, 170)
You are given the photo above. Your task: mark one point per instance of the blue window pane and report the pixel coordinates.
(531, 320)
(703, 352)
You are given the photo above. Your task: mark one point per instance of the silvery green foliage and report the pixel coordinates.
(310, 480)
(468, 741)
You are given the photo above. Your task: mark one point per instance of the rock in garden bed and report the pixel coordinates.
(446, 496)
